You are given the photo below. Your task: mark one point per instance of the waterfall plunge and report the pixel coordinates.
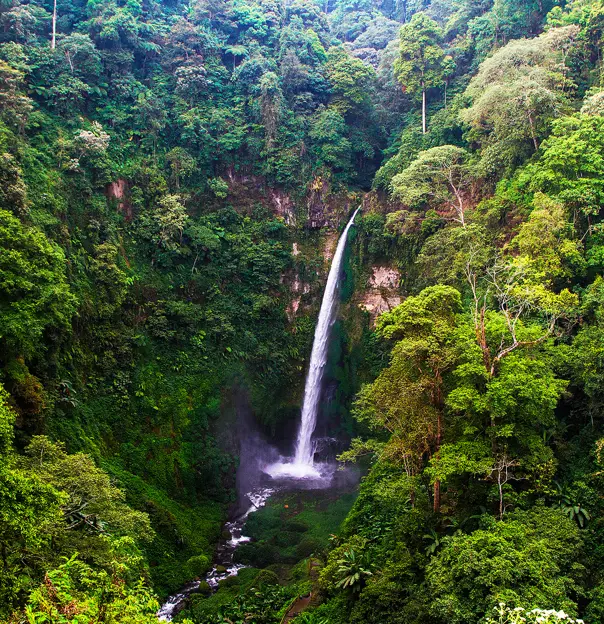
(318, 358)
(302, 464)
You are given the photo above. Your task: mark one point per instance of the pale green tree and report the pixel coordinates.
(421, 63)
(515, 95)
(440, 175)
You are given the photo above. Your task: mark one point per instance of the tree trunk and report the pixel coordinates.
(423, 110)
(53, 43)
(439, 435)
(481, 337)
(533, 133)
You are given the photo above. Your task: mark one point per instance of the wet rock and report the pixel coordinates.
(204, 588)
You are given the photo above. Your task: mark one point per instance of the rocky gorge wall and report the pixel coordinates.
(315, 220)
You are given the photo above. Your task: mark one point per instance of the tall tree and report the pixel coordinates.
(350, 79)
(515, 95)
(408, 398)
(421, 64)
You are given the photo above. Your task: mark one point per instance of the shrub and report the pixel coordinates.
(198, 565)
(266, 577)
(257, 555)
(308, 546)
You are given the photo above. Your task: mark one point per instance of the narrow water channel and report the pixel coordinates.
(223, 565)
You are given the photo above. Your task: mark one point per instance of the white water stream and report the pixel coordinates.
(303, 462)
(224, 567)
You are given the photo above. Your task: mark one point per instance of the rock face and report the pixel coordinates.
(324, 207)
(327, 209)
(329, 248)
(282, 205)
(382, 293)
(384, 278)
(298, 288)
(118, 192)
(247, 190)
(316, 208)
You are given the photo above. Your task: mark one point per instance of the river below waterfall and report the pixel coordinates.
(336, 481)
(223, 564)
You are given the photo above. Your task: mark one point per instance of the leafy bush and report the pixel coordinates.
(530, 558)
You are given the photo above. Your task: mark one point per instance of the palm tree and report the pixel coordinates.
(573, 510)
(353, 569)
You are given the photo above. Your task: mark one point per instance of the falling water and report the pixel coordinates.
(302, 465)
(318, 358)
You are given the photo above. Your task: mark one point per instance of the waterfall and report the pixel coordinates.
(318, 359)
(302, 464)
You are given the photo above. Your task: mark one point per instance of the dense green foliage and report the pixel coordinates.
(167, 171)
(483, 426)
(293, 527)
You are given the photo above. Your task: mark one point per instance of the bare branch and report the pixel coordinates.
(501, 473)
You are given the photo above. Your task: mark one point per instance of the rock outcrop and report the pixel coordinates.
(118, 192)
(382, 292)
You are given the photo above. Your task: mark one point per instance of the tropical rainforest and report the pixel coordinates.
(173, 177)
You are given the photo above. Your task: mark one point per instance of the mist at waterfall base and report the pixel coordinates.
(302, 465)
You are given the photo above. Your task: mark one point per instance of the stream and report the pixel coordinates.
(223, 565)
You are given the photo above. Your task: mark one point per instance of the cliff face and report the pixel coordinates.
(326, 208)
(314, 221)
(381, 291)
(370, 286)
(376, 288)
(118, 192)
(319, 206)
